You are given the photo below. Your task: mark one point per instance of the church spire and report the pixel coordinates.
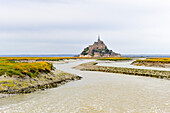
(98, 37)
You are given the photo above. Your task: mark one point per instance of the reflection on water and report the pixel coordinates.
(97, 92)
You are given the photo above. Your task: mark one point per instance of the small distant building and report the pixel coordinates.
(98, 49)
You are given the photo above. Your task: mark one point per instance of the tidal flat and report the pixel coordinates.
(96, 92)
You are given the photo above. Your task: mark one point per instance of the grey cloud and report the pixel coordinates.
(72, 26)
(67, 26)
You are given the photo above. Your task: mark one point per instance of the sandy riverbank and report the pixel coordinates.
(11, 85)
(28, 85)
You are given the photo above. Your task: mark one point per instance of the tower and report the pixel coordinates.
(98, 38)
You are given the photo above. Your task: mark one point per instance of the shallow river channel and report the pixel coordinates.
(97, 92)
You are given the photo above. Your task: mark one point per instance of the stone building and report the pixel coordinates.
(98, 49)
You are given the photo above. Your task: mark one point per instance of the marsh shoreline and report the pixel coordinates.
(44, 81)
(152, 64)
(92, 66)
(50, 83)
(64, 78)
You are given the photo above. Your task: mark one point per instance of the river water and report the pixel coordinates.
(97, 92)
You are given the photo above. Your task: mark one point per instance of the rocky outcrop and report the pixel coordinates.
(98, 49)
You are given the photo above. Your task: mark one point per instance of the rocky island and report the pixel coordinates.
(98, 49)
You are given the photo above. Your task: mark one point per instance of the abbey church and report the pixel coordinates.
(98, 49)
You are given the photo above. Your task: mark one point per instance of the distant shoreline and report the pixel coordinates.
(73, 55)
(62, 55)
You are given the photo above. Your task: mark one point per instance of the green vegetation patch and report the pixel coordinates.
(116, 59)
(85, 51)
(154, 60)
(23, 69)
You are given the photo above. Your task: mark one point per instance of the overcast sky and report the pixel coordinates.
(68, 26)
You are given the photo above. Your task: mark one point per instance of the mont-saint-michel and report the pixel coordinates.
(98, 49)
(99, 83)
(53, 60)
